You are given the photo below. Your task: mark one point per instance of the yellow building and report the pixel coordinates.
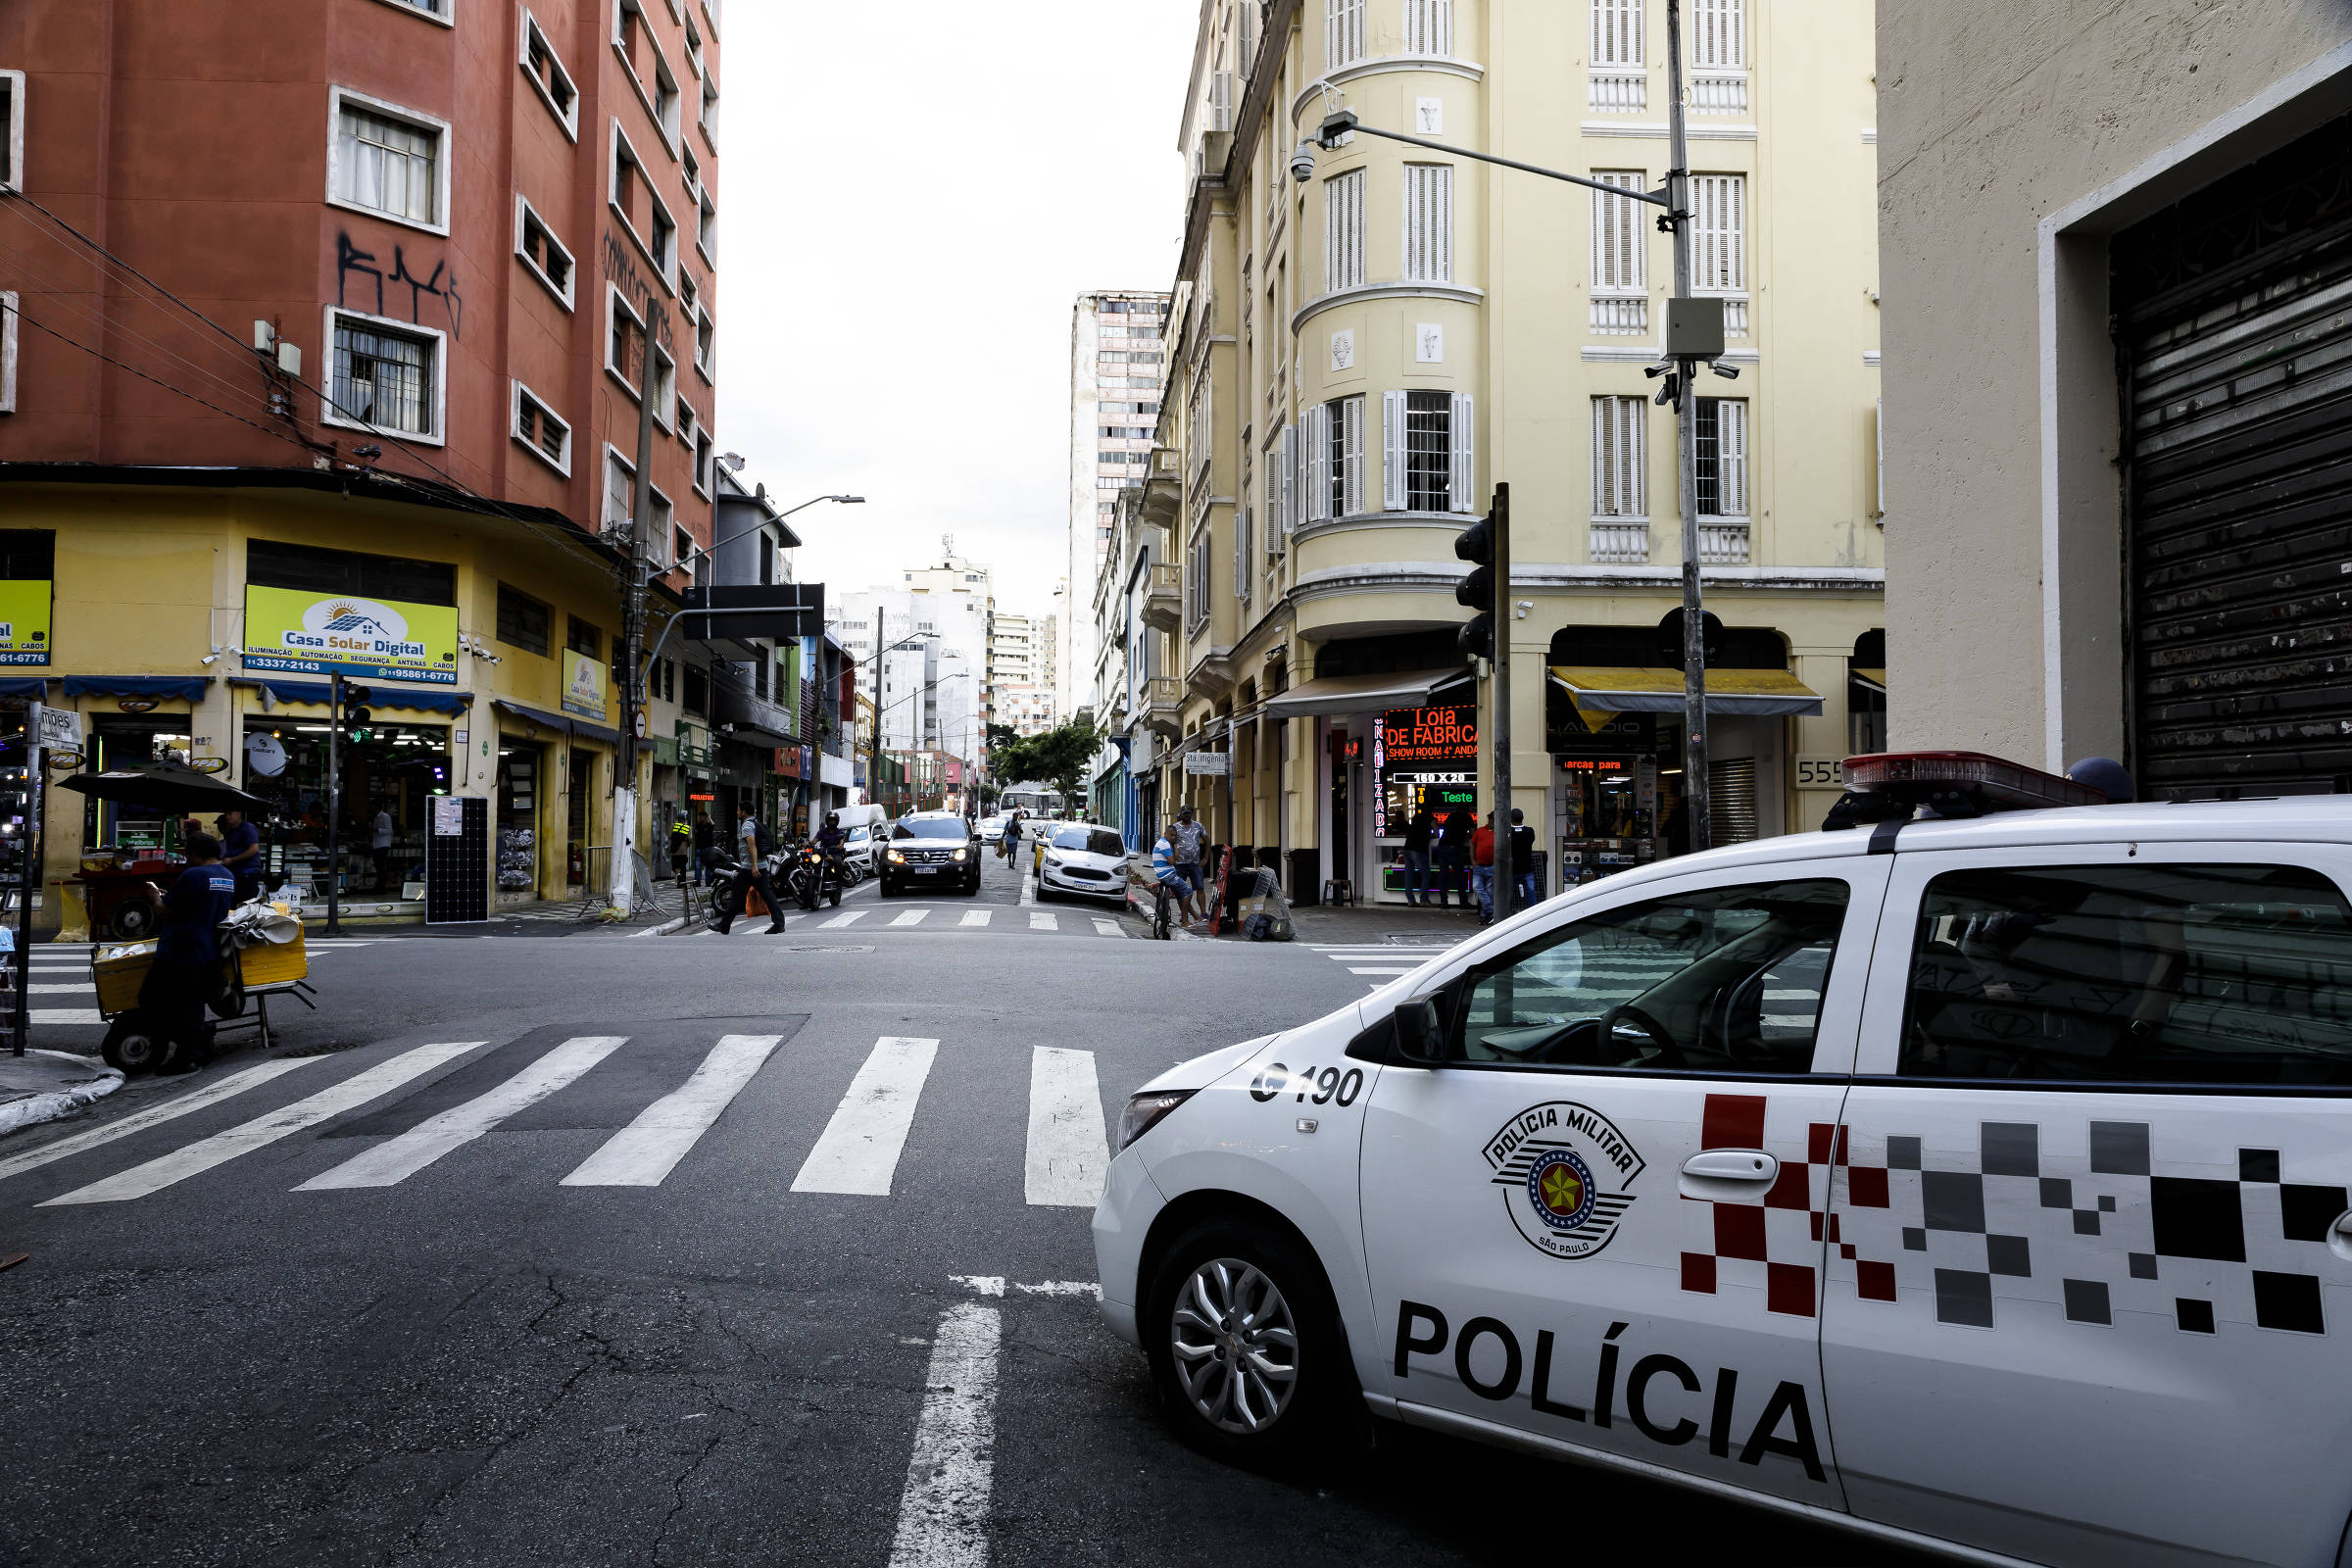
(181, 619)
(1358, 356)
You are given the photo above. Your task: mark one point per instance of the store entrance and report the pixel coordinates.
(521, 769)
(581, 776)
(133, 831)
(390, 773)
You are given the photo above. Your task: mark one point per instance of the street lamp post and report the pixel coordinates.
(1692, 336)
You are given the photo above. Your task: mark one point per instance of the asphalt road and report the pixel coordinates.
(368, 1328)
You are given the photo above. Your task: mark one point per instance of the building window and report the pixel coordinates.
(1620, 493)
(8, 352)
(1343, 32)
(1620, 255)
(1343, 232)
(11, 131)
(708, 118)
(641, 211)
(537, 427)
(544, 67)
(385, 375)
(706, 345)
(1719, 244)
(543, 255)
(580, 637)
(703, 451)
(624, 339)
(437, 10)
(659, 527)
(706, 233)
(681, 550)
(389, 161)
(1335, 458)
(1427, 451)
(522, 620)
(689, 424)
(697, 691)
(1428, 223)
(648, 68)
(1429, 27)
(1719, 34)
(1722, 458)
(1197, 584)
(620, 490)
(666, 389)
(1243, 576)
(1617, 37)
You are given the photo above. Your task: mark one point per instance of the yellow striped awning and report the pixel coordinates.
(1636, 689)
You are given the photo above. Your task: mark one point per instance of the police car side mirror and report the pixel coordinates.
(1412, 1035)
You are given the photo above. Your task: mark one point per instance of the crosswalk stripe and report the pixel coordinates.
(848, 917)
(398, 1159)
(211, 1094)
(1067, 1150)
(645, 1152)
(86, 985)
(1044, 920)
(219, 1148)
(65, 1015)
(1106, 927)
(975, 917)
(912, 917)
(860, 1146)
(943, 1514)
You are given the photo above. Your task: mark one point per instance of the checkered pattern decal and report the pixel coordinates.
(1768, 1245)
(2095, 1236)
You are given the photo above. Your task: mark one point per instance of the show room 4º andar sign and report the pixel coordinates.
(304, 633)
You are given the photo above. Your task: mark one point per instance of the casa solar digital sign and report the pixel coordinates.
(1429, 740)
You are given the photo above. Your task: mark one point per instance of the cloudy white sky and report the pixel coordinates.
(912, 195)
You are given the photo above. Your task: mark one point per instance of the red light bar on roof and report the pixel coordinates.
(1963, 783)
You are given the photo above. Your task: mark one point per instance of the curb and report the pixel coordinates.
(18, 1114)
(662, 930)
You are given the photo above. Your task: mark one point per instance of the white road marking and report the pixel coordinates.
(984, 1284)
(1104, 927)
(64, 1015)
(1068, 1152)
(860, 1146)
(943, 1515)
(912, 917)
(86, 985)
(1028, 889)
(1085, 1288)
(211, 1094)
(847, 917)
(222, 1147)
(645, 1152)
(1042, 920)
(975, 917)
(396, 1159)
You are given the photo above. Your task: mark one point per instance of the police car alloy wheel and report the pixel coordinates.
(1246, 1348)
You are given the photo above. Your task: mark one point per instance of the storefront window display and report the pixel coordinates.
(521, 766)
(390, 771)
(1422, 758)
(133, 742)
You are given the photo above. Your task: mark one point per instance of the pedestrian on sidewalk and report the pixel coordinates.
(1481, 868)
(706, 843)
(1185, 840)
(187, 956)
(239, 848)
(1449, 851)
(1417, 834)
(1523, 860)
(379, 844)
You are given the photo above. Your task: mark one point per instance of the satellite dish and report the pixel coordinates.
(264, 756)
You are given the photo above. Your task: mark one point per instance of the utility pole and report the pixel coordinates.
(623, 873)
(1697, 810)
(1504, 884)
(334, 805)
(874, 766)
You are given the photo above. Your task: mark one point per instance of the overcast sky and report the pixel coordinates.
(910, 196)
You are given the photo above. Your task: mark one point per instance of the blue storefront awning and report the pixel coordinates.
(379, 694)
(561, 723)
(33, 686)
(191, 687)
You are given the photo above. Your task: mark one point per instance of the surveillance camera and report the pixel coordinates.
(1302, 163)
(1730, 372)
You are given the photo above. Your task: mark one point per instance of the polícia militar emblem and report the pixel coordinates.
(1567, 1174)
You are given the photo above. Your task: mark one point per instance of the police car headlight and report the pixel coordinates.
(1144, 1112)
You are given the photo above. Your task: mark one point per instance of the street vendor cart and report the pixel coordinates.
(263, 956)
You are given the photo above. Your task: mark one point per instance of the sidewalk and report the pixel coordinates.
(43, 1085)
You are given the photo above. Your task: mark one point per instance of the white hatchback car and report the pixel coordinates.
(1082, 859)
(1976, 1185)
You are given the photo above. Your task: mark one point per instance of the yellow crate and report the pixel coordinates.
(270, 964)
(120, 969)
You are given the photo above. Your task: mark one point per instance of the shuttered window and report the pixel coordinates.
(1242, 574)
(1718, 31)
(1343, 32)
(1616, 32)
(1719, 234)
(1315, 462)
(1429, 27)
(1617, 487)
(1620, 252)
(1345, 422)
(1290, 479)
(1428, 223)
(1732, 799)
(1343, 232)
(1722, 456)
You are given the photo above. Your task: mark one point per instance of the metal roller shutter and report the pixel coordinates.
(2234, 334)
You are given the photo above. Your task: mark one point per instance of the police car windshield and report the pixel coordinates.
(929, 827)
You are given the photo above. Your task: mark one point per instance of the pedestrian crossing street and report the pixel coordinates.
(1382, 962)
(61, 971)
(973, 917)
(858, 1153)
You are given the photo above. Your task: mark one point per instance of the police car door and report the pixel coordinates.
(2094, 1278)
(1600, 1220)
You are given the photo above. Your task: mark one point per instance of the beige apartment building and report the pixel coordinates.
(2115, 245)
(1356, 359)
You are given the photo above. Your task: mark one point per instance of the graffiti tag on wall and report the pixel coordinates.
(620, 271)
(351, 260)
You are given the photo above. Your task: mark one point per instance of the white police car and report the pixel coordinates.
(1980, 1185)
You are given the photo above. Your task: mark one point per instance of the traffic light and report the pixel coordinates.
(1476, 545)
(355, 706)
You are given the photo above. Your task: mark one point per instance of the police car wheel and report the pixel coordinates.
(1246, 1348)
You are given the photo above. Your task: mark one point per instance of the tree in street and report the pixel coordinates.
(1060, 756)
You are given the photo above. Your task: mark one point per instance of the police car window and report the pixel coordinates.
(1724, 980)
(2190, 974)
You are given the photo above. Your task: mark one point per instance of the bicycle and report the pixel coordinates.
(1162, 897)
